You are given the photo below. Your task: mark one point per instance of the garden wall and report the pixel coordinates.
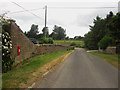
(27, 48)
(111, 50)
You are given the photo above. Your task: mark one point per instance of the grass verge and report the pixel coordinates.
(110, 58)
(30, 70)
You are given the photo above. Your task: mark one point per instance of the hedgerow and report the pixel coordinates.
(6, 46)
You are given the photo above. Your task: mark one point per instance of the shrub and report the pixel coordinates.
(45, 41)
(7, 61)
(105, 42)
(78, 45)
(73, 44)
(50, 41)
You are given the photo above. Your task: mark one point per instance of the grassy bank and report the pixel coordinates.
(68, 42)
(110, 58)
(25, 74)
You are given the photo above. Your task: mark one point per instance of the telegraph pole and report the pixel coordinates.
(45, 18)
(45, 15)
(119, 6)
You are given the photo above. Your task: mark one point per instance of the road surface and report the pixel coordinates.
(81, 70)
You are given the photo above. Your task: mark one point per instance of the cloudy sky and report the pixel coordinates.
(73, 15)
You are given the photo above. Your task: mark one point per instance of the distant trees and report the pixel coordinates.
(45, 32)
(33, 31)
(58, 33)
(44, 37)
(78, 38)
(109, 26)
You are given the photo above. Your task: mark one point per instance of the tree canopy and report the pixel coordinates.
(108, 26)
(33, 31)
(45, 32)
(58, 33)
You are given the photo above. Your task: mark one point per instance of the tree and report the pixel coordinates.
(105, 42)
(67, 38)
(114, 26)
(97, 32)
(78, 38)
(53, 35)
(33, 31)
(109, 26)
(58, 33)
(45, 32)
(39, 36)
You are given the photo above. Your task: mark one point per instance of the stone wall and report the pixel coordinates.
(28, 49)
(111, 50)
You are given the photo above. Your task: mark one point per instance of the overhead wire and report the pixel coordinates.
(80, 7)
(63, 8)
(26, 10)
(29, 11)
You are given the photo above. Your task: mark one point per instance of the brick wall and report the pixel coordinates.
(28, 49)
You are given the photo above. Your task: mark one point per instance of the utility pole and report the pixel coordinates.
(45, 19)
(119, 6)
(45, 15)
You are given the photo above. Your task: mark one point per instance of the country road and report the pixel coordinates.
(81, 70)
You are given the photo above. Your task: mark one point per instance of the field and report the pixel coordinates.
(110, 58)
(29, 70)
(68, 42)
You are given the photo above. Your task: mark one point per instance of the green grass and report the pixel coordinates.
(24, 72)
(110, 58)
(68, 42)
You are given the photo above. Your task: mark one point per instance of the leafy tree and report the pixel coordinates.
(33, 31)
(105, 42)
(97, 32)
(39, 36)
(58, 33)
(67, 38)
(114, 26)
(45, 32)
(53, 35)
(25, 33)
(78, 38)
(108, 26)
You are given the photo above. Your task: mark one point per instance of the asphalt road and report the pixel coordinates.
(81, 70)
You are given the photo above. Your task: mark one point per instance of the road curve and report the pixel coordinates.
(81, 70)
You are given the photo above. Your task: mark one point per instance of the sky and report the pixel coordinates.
(73, 15)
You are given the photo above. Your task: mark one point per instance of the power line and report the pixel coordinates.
(26, 10)
(80, 7)
(63, 8)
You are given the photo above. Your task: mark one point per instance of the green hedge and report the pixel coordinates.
(6, 46)
(45, 41)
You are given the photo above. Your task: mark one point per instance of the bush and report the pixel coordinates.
(45, 41)
(73, 44)
(7, 61)
(50, 41)
(105, 42)
(78, 45)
